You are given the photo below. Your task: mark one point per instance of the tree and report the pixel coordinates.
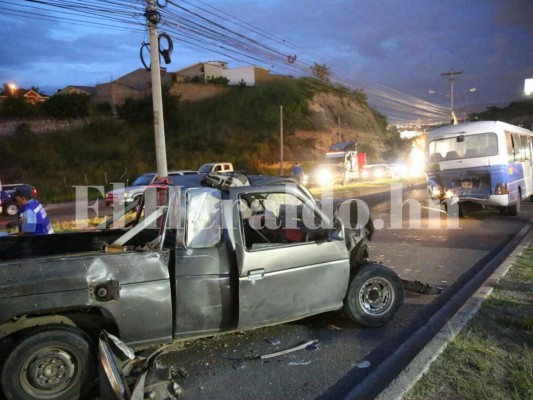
(17, 106)
(71, 105)
(37, 90)
(321, 72)
(396, 148)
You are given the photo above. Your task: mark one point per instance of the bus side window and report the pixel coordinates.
(510, 149)
(519, 148)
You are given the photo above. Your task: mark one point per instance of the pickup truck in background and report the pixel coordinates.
(201, 257)
(8, 205)
(209, 168)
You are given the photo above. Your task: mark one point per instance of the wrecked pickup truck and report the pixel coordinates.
(214, 254)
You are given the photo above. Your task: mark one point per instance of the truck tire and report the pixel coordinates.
(51, 363)
(11, 209)
(374, 295)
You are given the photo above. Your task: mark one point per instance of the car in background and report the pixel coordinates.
(129, 194)
(8, 205)
(376, 171)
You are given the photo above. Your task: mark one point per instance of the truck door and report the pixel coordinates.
(291, 263)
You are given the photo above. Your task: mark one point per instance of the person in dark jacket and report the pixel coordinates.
(32, 216)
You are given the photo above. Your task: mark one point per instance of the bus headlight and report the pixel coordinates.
(436, 191)
(502, 188)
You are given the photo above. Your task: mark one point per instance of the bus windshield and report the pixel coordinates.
(463, 146)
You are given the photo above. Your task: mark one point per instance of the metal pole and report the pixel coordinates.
(157, 97)
(281, 141)
(452, 74)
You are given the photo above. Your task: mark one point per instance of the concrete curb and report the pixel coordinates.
(422, 362)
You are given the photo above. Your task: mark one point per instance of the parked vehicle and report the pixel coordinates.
(480, 164)
(127, 195)
(198, 260)
(377, 171)
(342, 164)
(216, 167)
(7, 201)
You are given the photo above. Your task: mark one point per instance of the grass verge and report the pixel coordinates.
(492, 358)
(382, 184)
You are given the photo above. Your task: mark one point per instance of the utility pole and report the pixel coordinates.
(451, 75)
(153, 18)
(281, 141)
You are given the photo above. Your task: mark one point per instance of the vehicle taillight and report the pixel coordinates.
(502, 188)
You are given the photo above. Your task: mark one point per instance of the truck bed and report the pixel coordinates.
(31, 246)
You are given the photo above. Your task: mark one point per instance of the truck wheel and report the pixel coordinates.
(52, 363)
(11, 209)
(374, 295)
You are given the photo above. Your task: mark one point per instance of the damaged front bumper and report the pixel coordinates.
(127, 377)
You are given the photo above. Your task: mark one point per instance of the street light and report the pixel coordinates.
(528, 86)
(12, 88)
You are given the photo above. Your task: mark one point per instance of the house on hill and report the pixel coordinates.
(30, 95)
(190, 83)
(203, 71)
(134, 85)
(193, 83)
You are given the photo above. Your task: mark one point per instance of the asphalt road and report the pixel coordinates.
(220, 368)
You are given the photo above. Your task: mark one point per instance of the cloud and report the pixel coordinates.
(405, 45)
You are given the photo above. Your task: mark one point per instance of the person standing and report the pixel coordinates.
(32, 216)
(297, 172)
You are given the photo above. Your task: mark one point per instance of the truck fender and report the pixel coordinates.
(25, 322)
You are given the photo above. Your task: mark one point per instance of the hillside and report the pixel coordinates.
(241, 126)
(331, 110)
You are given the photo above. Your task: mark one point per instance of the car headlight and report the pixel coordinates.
(324, 177)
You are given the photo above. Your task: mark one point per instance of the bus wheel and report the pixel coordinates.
(515, 208)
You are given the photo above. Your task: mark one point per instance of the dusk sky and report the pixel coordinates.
(395, 50)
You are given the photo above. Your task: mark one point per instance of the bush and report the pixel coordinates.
(71, 105)
(17, 107)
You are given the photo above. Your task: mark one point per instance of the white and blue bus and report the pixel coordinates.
(480, 164)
